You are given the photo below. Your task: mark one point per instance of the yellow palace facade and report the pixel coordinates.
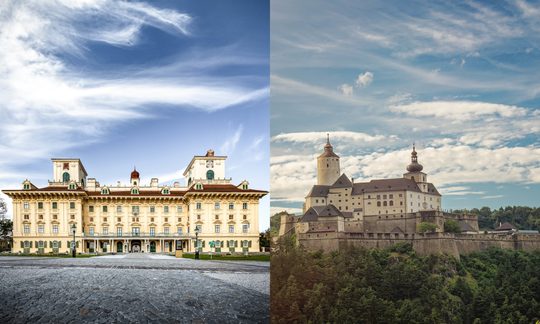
(133, 218)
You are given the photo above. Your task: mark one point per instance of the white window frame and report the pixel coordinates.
(41, 229)
(26, 205)
(245, 228)
(231, 228)
(217, 228)
(26, 228)
(166, 230)
(55, 229)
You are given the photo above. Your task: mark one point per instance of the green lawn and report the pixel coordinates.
(258, 257)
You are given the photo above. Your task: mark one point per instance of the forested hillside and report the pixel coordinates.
(397, 286)
(525, 218)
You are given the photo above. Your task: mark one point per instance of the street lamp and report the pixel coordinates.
(196, 242)
(73, 251)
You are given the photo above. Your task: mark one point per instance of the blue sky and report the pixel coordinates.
(459, 78)
(119, 84)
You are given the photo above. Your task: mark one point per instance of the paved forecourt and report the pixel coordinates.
(132, 288)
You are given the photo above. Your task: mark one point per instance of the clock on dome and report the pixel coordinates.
(209, 163)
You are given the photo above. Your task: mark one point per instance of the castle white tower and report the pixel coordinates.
(327, 165)
(415, 171)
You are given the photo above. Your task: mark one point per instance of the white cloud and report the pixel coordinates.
(364, 79)
(276, 209)
(320, 137)
(230, 143)
(346, 89)
(459, 110)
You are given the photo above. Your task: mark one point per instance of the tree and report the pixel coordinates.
(427, 227)
(3, 209)
(264, 240)
(451, 226)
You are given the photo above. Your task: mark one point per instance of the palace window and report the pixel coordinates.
(26, 229)
(231, 216)
(135, 231)
(391, 203)
(384, 196)
(152, 209)
(119, 209)
(210, 175)
(135, 191)
(91, 209)
(91, 231)
(26, 216)
(72, 216)
(216, 228)
(245, 228)
(198, 205)
(198, 217)
(378, 204)
(179, 209)
(91, 219)
(40, 216)
(26, 205)
(179, 219)
(217, 217)
(198, 186)
(40, 205)
(71, 186)
(231, 228)
(165, 209)
(105, 230)
(245, 216)
(385, 203)
(71, 205)
(166, 191)
(179, 230)
(152, 231)
(55, 205)
(391, 196)
(119, 231)
(245, 186)
(378, 196)
(217, 205)
(198, 228)
(244, 205)
(231, 206)
(26, 186)
(104, 209)
(166, 230)
(134, 209)
(119, 219)
(166, 219)
(105, 191)
(105, 219)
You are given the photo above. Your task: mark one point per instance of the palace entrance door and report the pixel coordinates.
(153, 247)
(119, 247)
(136, 246)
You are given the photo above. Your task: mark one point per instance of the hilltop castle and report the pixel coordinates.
(338, 211)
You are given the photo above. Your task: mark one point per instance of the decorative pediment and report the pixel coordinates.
(231, 222)
(166, 224)
(244, 185)
(27, 185)
(119, 224)
(152, 224)
(245, 221)
(217, 221)
(199, 222)
(179, 224)
(105, 190)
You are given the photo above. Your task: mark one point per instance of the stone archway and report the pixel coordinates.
(135, 246)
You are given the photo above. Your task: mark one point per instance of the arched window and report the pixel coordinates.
(135, 191)
(26, 186)
(105, 191)
(165, 191)
(378, 204)
(384, 203)
(65, 177)
(391, 203)
(71, 186)
(210, 175)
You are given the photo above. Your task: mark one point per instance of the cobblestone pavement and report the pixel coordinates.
(136, 288)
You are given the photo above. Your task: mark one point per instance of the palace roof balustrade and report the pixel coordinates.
(139, 235)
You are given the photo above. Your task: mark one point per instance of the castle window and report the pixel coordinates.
(384, 203)
(91, 209)
(245, 186)
(179, 230)
(152, 231)
(210, 175)
(217, 217)
(391, 196)
(134, 209)
(152, 219)
(119, 219)
(378, 196)
(384, 196)
(231, 217)
(198, 217)
(40, 216)
(401, 203)
(368, 196)
(244, 205)
(198, 186)
(378, 204)
(216, 228)
(179, 209)
(41, 229)
(231, 228)
(71, 205)
(400, 195)
(65, 177)
(244, 217)
(71, 186)
(72, 217)
(231, 206)
(391, 203)
(245, 228)
(105, 230)
(26, 216)
(179, 219)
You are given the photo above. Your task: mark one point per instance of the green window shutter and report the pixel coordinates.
(227, 243)
(222, 244)
(30, 244)
(37, 244)
(203, 242)
(235, 243)
(22, 245)
(249, 243)
(50, 244)
(59, 244)
(77, 245)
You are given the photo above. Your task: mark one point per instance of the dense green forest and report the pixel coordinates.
(397, 286)
(521, 216)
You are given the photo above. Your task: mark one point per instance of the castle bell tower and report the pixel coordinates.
(327, 165)
(415, 171)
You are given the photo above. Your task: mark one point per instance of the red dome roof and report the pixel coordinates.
(134, 174)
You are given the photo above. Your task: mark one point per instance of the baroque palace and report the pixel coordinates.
(137, 217)
(339, 211)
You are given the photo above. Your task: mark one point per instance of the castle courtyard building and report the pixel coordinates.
(137, 217)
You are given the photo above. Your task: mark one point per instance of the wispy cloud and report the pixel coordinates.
(230, 143)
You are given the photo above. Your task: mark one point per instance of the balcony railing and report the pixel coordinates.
(142, 234)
